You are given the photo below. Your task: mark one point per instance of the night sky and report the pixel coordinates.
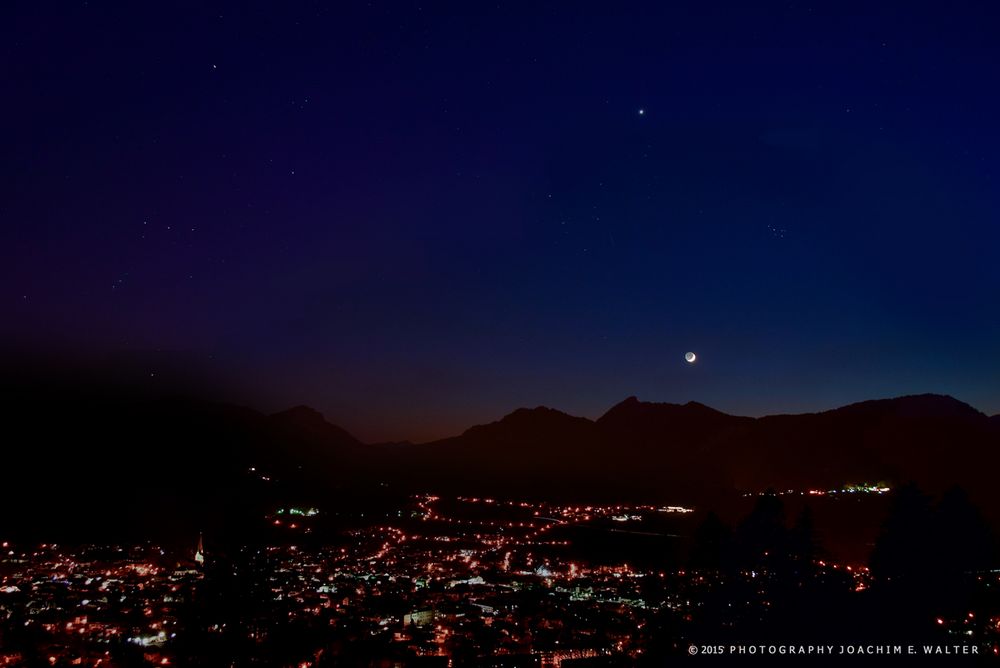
(419, 216)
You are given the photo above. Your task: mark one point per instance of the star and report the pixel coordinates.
(642, 112)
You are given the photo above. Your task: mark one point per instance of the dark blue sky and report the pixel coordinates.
(418, 216)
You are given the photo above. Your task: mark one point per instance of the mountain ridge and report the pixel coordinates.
(155, 460)
(927, 399)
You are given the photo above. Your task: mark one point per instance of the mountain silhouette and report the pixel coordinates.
(85, 458)
(648, 447)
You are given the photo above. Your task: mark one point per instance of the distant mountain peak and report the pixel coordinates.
(917, 405)
(300, 413)
(308, 421)
(541, 410)
(539, 415)
(530, 422)
(632, 406)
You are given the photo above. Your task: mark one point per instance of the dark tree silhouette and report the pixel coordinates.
(926, 560)
(803, 544)
(902, 550)
(713, 542)
(964, 542)
(762, 538)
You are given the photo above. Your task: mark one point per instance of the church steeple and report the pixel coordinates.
(199, 553)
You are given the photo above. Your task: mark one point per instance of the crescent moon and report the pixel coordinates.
(690, 358)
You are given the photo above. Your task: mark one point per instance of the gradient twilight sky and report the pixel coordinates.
(418, 216)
